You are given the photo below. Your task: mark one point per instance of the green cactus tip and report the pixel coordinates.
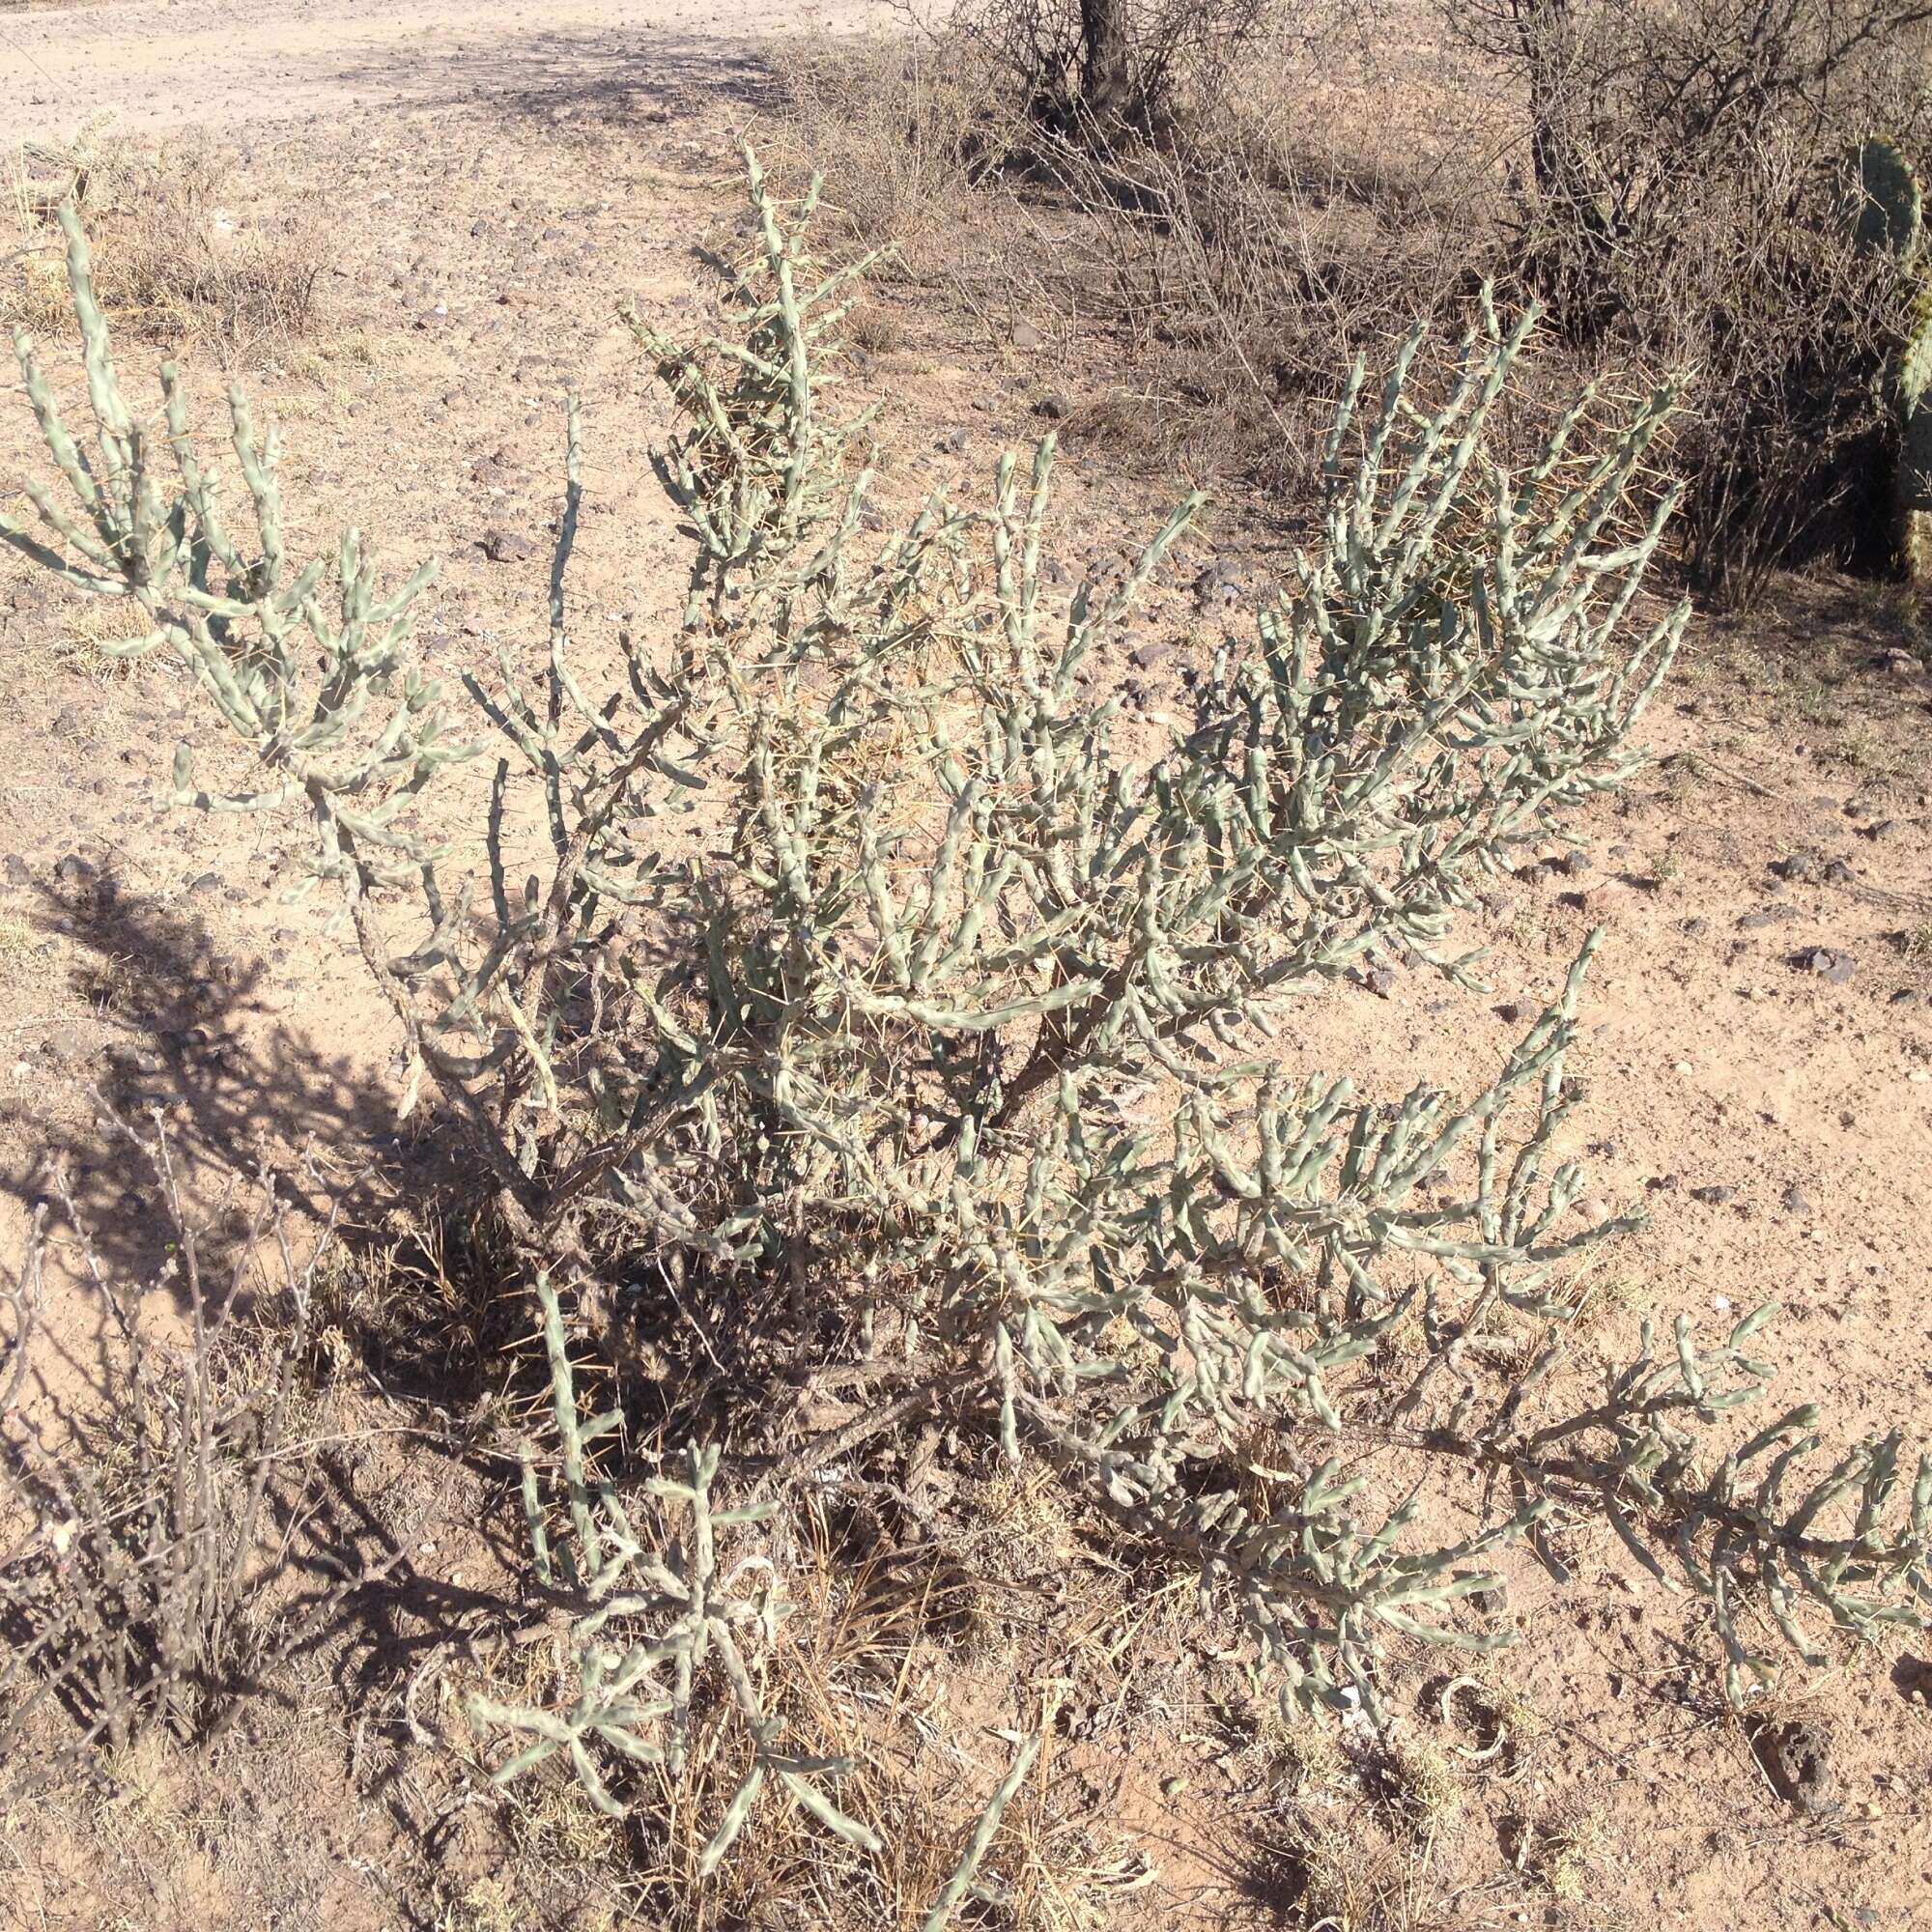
(1887, 204)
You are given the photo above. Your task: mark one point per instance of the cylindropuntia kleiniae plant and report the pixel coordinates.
(947, 1032)
(645, 1613)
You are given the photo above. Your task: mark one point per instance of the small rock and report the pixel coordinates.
(1797, 1757)
(1879, 828)
(1830, 964)
(1217, 587)
(68, 723)
(1055, 406)
(1145, 656)
(18, 872)
(506, 547)
(1773, 915)
(201, 887)
(1571, 863)
(65, 1047)
(1794, 1200)
(1836, 872)
(138, 1062)
(75, 871)
(1695, 928)
(1799, 870)
(1027, 338)
(955, 443)
(1714, 1197)
(1379, 977)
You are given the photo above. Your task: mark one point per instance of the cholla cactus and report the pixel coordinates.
(620, 1586)
(950, 1029)
(1915, 449)
(759, 467)
(1886, 204)
(1889, 218)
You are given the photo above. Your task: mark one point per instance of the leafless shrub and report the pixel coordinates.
(1103, 68)
(1681, 202)
(1235, 271)
(145, 1579)
(1229, 246)
(1666, 178)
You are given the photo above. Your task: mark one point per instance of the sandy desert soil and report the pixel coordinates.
(496, 179)
(175, 63)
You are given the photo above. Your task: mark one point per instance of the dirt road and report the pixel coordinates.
(172, 63)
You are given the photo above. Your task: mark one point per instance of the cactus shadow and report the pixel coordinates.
(161, 1015)
(616, 75)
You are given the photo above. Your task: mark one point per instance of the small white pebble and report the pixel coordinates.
(1684, 1066)
(1721, 1302)
(426, 1548)
(1919, 1076)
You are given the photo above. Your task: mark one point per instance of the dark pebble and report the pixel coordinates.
(1826, 963)
(505, 546)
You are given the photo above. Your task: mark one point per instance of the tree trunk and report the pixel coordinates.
(1106, 71)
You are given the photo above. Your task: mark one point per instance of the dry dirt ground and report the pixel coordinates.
(496, 180)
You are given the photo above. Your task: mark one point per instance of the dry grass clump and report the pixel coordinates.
(1571, 1849)
(894, 128)
(172, 262)
(1341, 1874)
